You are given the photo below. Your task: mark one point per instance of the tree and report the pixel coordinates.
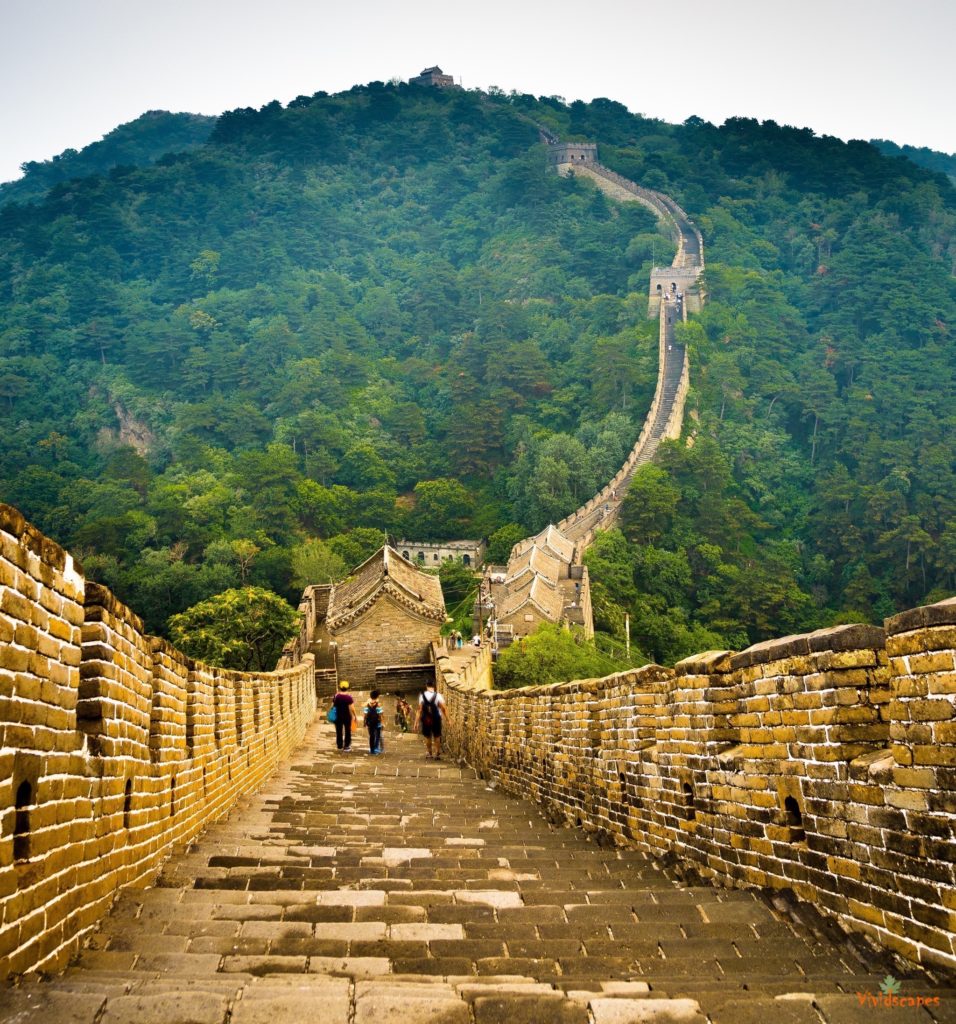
(457, 581)
(245, 628)
(442, 508)
(551, 654)
(502, 541)
(615, 371)
(245, 551)
(355, 546)
(326, 510)
(205, 267)
(650, 505)
(363, 467)
(315, 562)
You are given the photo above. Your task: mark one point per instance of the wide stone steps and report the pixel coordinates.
(395, 888)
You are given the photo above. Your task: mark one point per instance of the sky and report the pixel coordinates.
(72, 70)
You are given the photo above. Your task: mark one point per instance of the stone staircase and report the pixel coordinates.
(671, 382)
(355, 890)
(326, 680)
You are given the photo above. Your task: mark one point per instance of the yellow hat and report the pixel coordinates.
(343, 685)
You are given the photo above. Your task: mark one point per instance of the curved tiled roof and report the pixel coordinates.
(386, 573)
(551, 540)
(534, 560)
(554, 540)
(546, 598)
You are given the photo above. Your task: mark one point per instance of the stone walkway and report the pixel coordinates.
(358, 890)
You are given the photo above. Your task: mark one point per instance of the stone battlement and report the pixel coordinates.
(115, 748)
(824, 764)
(665, 417)
(572, 153)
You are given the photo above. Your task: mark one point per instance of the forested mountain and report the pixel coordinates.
(136, 143)
(376, 311)
(931, 159)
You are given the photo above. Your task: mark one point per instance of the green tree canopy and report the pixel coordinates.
(378, 311)
(550, 655)
(315, 562)
(245, 628)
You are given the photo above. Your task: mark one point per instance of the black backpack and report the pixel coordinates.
(430, 712)
(373, 716)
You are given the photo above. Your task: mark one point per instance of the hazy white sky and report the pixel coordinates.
(71, 70)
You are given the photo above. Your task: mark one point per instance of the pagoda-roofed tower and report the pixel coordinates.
(433, 76)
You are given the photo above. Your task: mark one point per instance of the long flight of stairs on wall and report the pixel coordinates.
(680, 279)
(359, 890)
(668, 388)
(673, 292)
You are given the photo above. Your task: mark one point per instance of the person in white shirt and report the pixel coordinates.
(431, 712)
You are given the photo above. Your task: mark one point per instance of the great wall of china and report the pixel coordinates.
(114, 747)
(666, 415)
(823, 765)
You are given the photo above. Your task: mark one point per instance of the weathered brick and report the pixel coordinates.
(613, 755)
(39, 686)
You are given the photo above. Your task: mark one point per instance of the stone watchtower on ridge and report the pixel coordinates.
(581, 158)
(571, 153)
(433, 76)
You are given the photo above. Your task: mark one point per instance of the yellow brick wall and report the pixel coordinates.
(119, 747)
(388, 634)
(824, 764)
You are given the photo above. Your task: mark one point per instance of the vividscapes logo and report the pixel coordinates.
(889, 996)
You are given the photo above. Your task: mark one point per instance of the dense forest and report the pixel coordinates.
(375, 312)
(134, 144)
(931, 159)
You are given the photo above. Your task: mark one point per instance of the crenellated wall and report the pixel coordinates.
(114, 747)
(823, 763)
(664, 421)
(688, 262)
(673, 379)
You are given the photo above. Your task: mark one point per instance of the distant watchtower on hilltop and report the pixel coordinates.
(433, 76)
(560, 153)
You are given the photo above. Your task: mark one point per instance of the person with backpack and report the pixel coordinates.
(375, 723)
(343, 708)
(431, 711)
(403, 713)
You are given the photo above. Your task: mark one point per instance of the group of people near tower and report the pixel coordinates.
(428, 719)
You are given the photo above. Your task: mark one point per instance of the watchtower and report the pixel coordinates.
(673, 281)
(433, 76)
(560, 153)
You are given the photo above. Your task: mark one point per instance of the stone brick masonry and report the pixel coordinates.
(115, 748)
(360, 890)
(388, 634)
(824, 764)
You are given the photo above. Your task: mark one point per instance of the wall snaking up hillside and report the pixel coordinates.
(823, 763)
(114, 747)
(664, 421)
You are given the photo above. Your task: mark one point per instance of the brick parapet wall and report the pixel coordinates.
(312, 608)
(675, 420)
(822, 763)
(114, 747)
(587, 521)
(387, 626)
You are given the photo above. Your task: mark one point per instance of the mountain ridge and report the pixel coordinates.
(137, 143)
(376, 311)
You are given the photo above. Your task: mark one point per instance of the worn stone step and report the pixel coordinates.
(468, 905)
